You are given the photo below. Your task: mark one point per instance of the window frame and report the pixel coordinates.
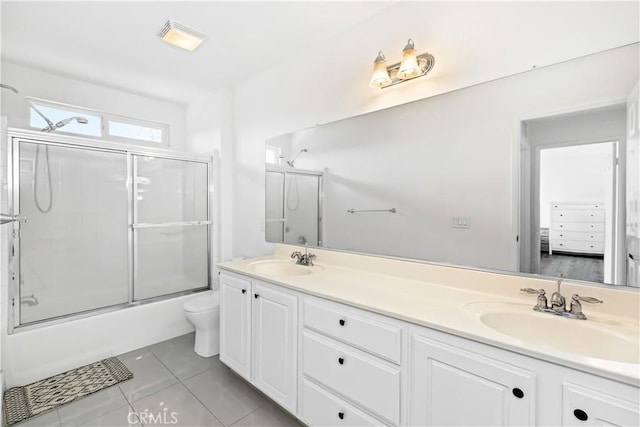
(105, 118)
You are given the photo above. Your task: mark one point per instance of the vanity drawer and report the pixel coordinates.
(360, 378)
(322, 408)
(376, 337)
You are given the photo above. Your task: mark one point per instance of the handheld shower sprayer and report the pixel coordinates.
(11, 88)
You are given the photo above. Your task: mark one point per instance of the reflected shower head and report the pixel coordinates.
(291, 162)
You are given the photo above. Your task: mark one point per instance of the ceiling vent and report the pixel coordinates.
(182, 36)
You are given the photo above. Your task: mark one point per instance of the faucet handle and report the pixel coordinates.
(576, 307)
(590, 300)
(541, 303)
(297, 254)
(533, 291)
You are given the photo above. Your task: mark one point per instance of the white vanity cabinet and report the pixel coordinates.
(456, 387)
(259, 336)
(351, 366)
(235, 324)
(329, 363)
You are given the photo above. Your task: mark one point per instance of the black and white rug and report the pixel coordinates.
(40, 397)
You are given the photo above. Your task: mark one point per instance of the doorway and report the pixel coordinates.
(572, 197)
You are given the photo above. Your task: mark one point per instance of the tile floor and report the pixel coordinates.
(171, 386)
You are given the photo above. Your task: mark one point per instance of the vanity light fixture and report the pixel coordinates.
(412, 66)
(182, 36)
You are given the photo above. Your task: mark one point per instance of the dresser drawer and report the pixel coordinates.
(360, 378)
(584, 236)
(578, 216)
(578, 226)
(322, 408)
(575, 206)
(578, 246)
(376, 337)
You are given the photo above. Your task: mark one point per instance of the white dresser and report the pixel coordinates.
(577, 227)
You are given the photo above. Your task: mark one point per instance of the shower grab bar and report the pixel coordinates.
(171, 224)
(6, 219)
(392, 210)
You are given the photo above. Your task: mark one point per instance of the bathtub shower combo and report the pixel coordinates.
(100, 226)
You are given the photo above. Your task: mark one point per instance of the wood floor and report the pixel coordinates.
(589, 268)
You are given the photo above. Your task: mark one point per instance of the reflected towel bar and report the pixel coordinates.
(392, 210)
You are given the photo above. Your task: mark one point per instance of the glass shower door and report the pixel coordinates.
(74, 243)
(171, 226)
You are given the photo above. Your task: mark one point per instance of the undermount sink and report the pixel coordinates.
(600, 340)
(282, 268)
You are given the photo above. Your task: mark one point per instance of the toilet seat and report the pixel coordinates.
(202, 303)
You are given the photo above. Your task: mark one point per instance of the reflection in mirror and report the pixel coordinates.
(293, 203)
(530, 173)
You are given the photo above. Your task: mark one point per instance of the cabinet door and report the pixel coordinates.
(586, 407)
(275, 344)
(455, 387)
(235, 324)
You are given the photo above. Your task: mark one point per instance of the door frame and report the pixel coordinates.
(527, 237)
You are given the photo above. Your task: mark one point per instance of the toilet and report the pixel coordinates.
(203, 312)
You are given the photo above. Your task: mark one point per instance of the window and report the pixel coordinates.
(273, 155)
(99, 124)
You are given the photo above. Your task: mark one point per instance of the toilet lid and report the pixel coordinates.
(202, 303)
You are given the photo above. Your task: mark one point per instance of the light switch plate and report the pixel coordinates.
(460, 222)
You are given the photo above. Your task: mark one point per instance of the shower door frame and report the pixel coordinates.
(289, 171)
(17, 136)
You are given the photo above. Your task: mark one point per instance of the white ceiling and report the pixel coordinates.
(115, 43)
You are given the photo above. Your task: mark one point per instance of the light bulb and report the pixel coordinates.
(409, 67)
(380, 77)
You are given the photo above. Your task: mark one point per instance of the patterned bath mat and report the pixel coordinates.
(22, 403)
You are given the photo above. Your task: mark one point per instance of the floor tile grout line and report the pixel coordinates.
(202, 403)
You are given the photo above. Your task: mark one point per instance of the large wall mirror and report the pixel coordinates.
(534, 173)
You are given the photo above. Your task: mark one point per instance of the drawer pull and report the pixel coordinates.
(341, 360)
(518, 393)
(581, 415)
(256, 296)
(561, 235)
(341, 415)
(342, 322)
(244, 291)
(562, 225)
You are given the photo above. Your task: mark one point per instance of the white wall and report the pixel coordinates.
(329, 81)
(40, 84)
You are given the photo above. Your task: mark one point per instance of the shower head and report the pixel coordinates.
(61, 123)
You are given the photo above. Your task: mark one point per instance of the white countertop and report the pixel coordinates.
(407, 291)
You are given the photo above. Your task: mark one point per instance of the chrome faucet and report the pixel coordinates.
(303, 259)
(558, 303)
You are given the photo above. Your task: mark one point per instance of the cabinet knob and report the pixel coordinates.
(341, 415)
(244, 291)
(342, 322)
(581, 415)
(341, 360)
(518, 393)
(256, 296)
